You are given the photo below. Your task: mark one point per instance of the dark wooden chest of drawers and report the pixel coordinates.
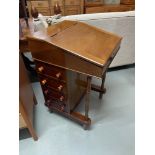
(61, 87)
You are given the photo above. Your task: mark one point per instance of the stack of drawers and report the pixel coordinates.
(53, 83)
(61, 88)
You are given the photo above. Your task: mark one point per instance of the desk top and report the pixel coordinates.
(83, 40)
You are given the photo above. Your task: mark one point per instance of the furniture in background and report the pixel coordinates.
(67, 55)
(46, 7)
(26, 100)
(99, 6)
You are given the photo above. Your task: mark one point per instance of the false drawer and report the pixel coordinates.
(49, 93)
(50, 70)
(52, 103)
(52, 83)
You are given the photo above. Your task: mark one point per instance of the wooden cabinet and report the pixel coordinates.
(110, 8)
(96, 6)
(46, 7)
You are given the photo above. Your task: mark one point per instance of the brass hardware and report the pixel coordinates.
(60, 87)
(40, 69)
(61, 98)
(58, 75)
(46, 91)
(43, 82)
(62, 108)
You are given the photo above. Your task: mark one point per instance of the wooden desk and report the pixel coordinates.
(67, 56)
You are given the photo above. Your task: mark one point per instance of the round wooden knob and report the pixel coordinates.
(40, 69)
(43, 82)
(60, 87)
(58, 75)
(46, 92)
(62, 108)
(61, 98)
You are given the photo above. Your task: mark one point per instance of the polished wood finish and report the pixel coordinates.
(67, 55)
(66, 7)
(98, 40)
(127, 2)
(110, 8)
(26, 99)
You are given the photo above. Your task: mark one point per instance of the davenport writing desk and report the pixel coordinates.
(67, 55)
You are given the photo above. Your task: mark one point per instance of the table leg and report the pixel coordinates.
(87, 96)
(102, 86)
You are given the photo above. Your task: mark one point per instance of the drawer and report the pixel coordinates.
(52, 83)
(39, 4)
(60, 2)
(52, 103)
(49, 70)
(72, 10)
(72, 2)
(51, 94)
(61, 88)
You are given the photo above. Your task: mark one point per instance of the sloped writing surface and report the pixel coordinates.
(81, 39)
(87, 41)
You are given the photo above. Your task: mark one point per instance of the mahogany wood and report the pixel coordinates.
(75, 52)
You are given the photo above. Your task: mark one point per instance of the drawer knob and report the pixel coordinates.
(61, 98)
(62, 108)
(58, 75)
(40, 69)
(60, 87)
(43, 82)
(46, 92)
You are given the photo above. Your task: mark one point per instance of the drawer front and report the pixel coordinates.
(72, 2)
(59, 88)
(49, 70)
(51, 94)
(52, 83)
(72, 10)
(60, 2)
(40, 4)
(52, 103)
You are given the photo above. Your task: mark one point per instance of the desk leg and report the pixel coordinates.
(87, 99)
(102, 86)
